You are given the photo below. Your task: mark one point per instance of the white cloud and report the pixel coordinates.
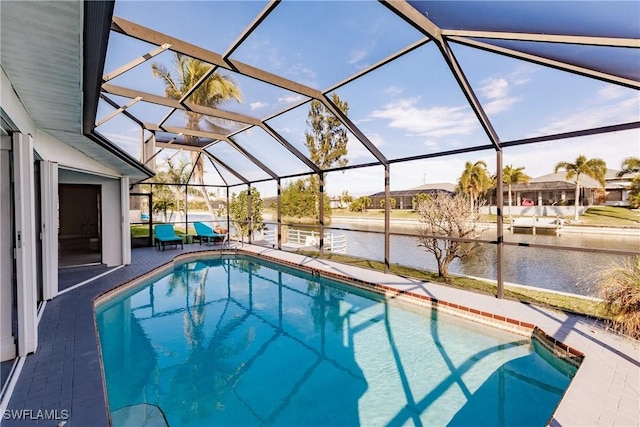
(495, 88)
(306, 75)
(393, 90)
(434, 122)
(258, 105)
(499, 105)
(611, 92)
(290, 99)
(356, 56)
(594, 116)
(539, 159)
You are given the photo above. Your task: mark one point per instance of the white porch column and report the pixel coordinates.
(125, 227)
(25, 243)
(539, 198)
(49, 228)
(149, 152)
(7, 340)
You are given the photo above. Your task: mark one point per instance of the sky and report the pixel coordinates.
(410, 106)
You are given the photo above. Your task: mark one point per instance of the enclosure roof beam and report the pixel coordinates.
(253, 159)
(135, 62)
(346, 121)
(173, 146)
(175, 104)
(118, 107)
(564, 66)
(547, 38)
(250, 28)
(148, 35)
(184, 131)
(411, 15)
(574, 134)
(286, 144)
(227, 167)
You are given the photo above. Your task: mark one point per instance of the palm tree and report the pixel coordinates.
(213, 92)
(630, 165)
(511, 175)
(594, 168)
(474, 181)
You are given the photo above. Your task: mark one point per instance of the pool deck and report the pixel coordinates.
(65, 374)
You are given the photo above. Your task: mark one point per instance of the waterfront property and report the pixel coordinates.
(85, 118)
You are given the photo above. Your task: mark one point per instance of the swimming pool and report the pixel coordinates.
(241, 341)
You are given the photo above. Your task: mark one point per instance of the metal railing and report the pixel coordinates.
(302, 238)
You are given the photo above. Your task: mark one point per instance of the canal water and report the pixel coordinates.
(560, 270)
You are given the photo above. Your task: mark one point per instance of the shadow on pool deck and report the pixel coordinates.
(65, 372)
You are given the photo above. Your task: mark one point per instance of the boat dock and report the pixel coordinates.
(536, 223)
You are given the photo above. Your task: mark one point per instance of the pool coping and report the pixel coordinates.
(65, 372)
(610, 363)
(395, 287)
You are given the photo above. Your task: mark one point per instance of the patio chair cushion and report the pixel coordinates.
(206, 234)
(165, 235)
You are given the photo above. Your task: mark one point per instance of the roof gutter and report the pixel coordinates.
(96, 29)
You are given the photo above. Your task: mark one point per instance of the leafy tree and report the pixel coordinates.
(510, 176)
(298, 200)
(360, 204)
(168, 198)
(346, 198)
(419, 198)
(215, 91)
(594, 168)
(474, 181)
(326, 139)
(392, 203)
(239, 211)
(634, 192)
(447, 216)
(630, 165)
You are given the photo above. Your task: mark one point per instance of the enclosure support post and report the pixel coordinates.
(249, 214)
(500, 228)
(229, 216)
(279, 207)
(321, 211)
(387, 216)
(186, 212)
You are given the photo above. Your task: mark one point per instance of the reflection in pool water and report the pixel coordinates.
(241, 342)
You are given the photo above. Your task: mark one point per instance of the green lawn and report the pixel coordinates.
(539, 297)
(143, 230)
(597, 216)
(610, 216)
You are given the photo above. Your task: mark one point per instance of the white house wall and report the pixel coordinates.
(93, 172)
(7, 340)
(110, 201)
(54, 150)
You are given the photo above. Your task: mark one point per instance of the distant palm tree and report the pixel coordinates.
(594, 168)
(511, 175)
(630, 165)
(474, 181)
(216, 90)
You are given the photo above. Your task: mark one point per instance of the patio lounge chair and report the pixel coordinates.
(206, 234)
(165, 235)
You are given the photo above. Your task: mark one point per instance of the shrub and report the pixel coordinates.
(619, 287)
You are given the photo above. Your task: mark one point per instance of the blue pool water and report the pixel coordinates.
(242, 342)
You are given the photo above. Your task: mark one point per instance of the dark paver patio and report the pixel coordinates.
(65, 373)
